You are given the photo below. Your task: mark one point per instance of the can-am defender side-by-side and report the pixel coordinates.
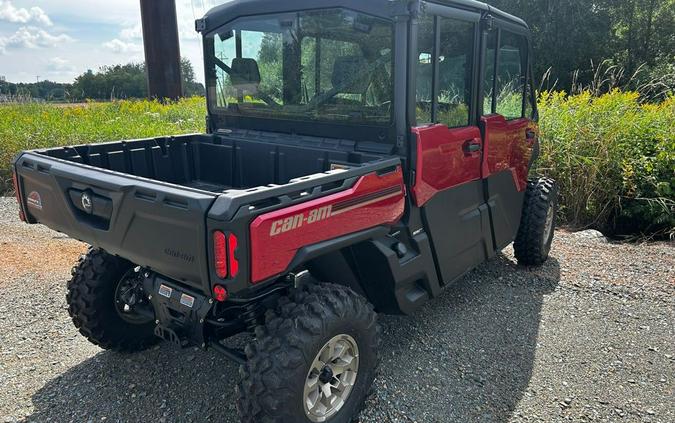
(360, 156)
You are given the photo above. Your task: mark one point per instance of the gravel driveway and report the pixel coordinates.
(588, 337)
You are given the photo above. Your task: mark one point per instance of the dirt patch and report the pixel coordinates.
(32, 249)
(43, 259)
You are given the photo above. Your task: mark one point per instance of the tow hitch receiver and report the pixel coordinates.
(179, 312)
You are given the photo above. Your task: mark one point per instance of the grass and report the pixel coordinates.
(33, 125)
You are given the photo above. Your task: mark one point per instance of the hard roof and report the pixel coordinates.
(476, 5)
(235, 8)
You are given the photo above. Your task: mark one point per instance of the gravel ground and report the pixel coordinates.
(587, 337)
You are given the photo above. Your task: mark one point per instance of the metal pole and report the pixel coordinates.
(162, 51)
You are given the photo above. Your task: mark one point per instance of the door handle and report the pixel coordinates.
(472, 146)
(530, 135)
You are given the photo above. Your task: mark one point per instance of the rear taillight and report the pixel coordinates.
(224, 247)
(220, 254)
(15, 181)
(234, 263)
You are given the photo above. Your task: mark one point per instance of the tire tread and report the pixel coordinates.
(528, 246)
(89, 284)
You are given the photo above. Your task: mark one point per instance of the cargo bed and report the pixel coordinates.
(216, 163)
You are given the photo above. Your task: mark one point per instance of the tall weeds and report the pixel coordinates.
(614, 157)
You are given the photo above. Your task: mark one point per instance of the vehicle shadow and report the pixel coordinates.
(466, 356)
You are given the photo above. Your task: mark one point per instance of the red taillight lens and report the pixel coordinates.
(15, 181)
(234, 263)
(224, 248)
(219, 293)
(220, 254)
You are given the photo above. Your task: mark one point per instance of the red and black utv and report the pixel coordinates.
(359, 157)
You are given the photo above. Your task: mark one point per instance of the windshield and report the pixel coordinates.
(328, 65)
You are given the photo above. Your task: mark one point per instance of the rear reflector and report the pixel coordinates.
(234, 263)
(15, 181)
(219, 293)
(220, 254)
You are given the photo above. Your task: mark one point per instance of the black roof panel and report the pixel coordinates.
(384, 8)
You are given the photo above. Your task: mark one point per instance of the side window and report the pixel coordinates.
(447, 101)
(455, 72)
(425, 69)
(511, 75)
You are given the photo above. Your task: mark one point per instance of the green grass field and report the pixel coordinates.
(30, 126)
(613, 156)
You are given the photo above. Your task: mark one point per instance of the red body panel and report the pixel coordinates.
(277, 236)
(442, 161)
(507, 148)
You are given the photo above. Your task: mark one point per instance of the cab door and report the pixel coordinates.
(507, 124)
(447, 145)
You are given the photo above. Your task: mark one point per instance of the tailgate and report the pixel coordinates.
(152, 224)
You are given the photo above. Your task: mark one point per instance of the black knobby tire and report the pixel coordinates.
(91, 304)
(533, 242)
(273, 379)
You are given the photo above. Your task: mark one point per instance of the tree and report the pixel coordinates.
(127, 81)
(190, 86)
(112, 82)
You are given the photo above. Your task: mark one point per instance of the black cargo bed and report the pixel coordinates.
(215, 163)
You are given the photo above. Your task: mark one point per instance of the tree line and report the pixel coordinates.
(575, 37)
(108, 83)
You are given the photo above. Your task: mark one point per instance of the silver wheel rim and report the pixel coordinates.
(331, 378)
(548, 227)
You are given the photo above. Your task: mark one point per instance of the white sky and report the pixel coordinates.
(60, 39)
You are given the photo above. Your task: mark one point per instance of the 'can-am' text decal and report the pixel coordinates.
(288, 224)
(316, 215)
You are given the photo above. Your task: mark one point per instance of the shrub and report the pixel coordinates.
(614, 158)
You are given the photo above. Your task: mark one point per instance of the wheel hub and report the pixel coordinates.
(331, 378)
(326, 375)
